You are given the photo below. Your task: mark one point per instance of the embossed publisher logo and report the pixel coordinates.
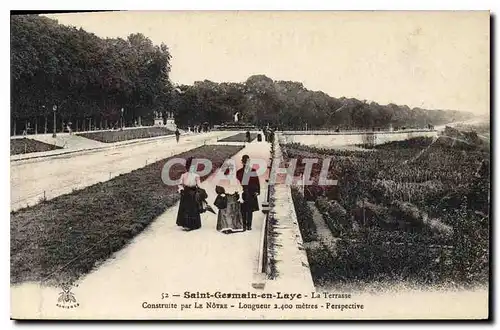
(67, 298)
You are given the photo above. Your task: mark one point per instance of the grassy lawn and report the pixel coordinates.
(240, 137)
(127, 134)
(25, 145)
(63, 238)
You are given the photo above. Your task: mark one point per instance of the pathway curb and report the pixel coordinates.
(94, 149)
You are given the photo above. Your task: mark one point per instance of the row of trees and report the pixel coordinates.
(85, 76)
(91, 79)
(288, 104)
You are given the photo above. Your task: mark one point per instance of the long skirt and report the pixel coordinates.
(189, 215)
(230, 218)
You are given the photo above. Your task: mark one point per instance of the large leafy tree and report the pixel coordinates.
(87, 77)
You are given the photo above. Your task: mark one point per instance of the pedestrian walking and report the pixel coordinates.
(249, 180)
(190, 210)
(177, 135)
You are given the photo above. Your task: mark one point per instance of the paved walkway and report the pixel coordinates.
(72, 144)
(166, 259)
(65, 140)
(32, 179)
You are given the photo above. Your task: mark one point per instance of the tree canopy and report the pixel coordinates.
(288, 104)
(82, 74)
(91, 77)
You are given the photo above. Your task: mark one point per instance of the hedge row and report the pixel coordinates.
(335, 216)
(304, 217)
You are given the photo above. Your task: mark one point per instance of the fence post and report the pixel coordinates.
(364, 213)
(303, 185)
(265, 203)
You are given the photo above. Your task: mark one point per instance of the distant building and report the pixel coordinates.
(167, 121)
(158, 118)
(170, 120)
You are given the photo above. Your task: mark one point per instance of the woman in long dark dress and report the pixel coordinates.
(188, 216)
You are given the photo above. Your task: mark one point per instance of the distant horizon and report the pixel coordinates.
(431, 60)
(333, 96)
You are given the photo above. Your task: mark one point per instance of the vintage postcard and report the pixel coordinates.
(250, 165)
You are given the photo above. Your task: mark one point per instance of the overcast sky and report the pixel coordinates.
(434, 60)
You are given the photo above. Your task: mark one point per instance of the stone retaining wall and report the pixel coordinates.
(333, 140)
(291, 267)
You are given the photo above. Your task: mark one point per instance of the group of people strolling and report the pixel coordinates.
(268, 134)
(235, 204)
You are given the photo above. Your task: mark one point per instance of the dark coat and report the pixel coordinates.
(200, 198)
(201, 195)
(220, 202)
(250, 190)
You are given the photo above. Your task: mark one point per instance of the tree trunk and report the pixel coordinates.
(36, 125)
(15, 128)
(100, 123)
(76, 127)
(105, 123)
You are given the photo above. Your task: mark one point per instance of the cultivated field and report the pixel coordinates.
(413, 211)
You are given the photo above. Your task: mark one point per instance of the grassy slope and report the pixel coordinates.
(127, 134)
(88, 225)
(25, 145)
(240, 137)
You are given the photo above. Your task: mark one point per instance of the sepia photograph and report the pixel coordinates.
(250, 165)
